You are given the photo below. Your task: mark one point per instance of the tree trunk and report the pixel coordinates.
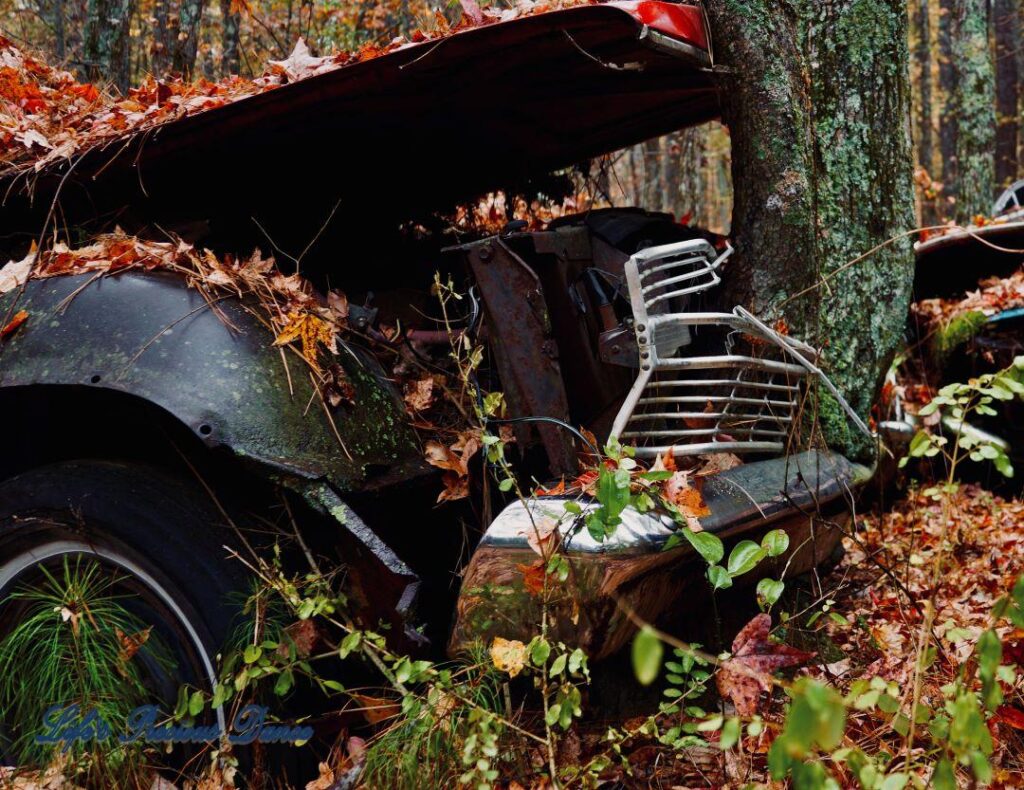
(691, 183)
(652, 168)
(107, 43)
(59, 36)
(1008, 30)
(229, 39)
(947, 86)
(974, 108)
(924, 63)
(819, 117)
(164, 34)
(188, 37)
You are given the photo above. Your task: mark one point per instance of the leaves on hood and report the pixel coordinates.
(47, 116)
(11, 326)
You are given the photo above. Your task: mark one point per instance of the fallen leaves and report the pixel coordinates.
(419, 394)
(993, 295)
(129, 644)
(16, 273)
(747, 673)
(508, 655)
(311, 331)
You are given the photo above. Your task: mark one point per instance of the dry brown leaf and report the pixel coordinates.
(713, 463)
(419, 395)
(11, 327)
(325, 781)
(130, 643)
(376, 709)
(743, 677)
(16, 273)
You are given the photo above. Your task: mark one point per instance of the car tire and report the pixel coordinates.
(161, 534)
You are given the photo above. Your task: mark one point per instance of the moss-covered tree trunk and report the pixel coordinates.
(819, 111)
(973, 108)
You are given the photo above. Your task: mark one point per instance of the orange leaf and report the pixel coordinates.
(1011, 716)
(533, 577)
(555, 490)
(19, 318)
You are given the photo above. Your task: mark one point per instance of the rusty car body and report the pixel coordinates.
(609, 320)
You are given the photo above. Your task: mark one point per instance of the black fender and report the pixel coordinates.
(211, 365)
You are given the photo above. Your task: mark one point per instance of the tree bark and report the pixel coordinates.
(107, 43)
(164, 36)
(819, 115)
(947, 86)
(229, 39)
(187, 43)
(924, 63)
(974, 108)
(691, 183)
(59, 36)
(1007, 33)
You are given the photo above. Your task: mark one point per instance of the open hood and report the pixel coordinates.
(417, 128)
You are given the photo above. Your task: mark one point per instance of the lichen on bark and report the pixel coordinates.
(973, 106)
(818, 106)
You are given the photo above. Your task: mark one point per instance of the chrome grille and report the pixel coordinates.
(743, 400)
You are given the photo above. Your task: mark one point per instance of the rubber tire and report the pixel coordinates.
(150, 523)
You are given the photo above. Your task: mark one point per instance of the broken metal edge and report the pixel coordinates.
(395, 587)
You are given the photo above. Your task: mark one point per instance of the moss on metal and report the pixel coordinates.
(955, 333)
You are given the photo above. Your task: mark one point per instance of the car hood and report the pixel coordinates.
(416, 128)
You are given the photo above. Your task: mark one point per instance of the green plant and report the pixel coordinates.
(73, 643)
(955, 404)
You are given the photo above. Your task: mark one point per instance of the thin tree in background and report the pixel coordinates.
(925, 142)
(973, 105)
(107, 49)
(59, 36)
(187, 43)
(924, 62)
(947, 87)
(230, 38)
(1007, 26)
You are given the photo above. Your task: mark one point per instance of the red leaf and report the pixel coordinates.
(533, 577)
(472, 11)
(743, 677)
(1009, 715)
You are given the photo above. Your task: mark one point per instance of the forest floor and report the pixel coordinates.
(900, 566)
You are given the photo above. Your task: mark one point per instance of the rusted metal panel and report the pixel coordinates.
(802, 495)
(524, 350)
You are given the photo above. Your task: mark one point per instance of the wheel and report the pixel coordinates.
(157, 542)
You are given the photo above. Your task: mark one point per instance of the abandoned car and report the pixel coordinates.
(968, 316)
(155, 427)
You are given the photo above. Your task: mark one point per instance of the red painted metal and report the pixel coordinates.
(685, 22)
